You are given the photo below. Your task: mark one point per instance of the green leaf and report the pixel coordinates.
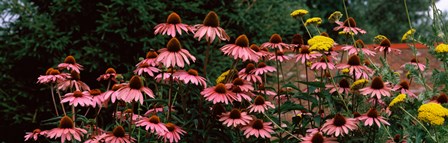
(314, 84)
(289, 106)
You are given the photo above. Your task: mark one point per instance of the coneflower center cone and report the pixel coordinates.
(235, 114)
(354, 61)
(95, 92)
(324, 59)
(397, 138)
(128, 111)
(317, 138)
(135, 83)
(344, 83)
(48, 72)
(77, 93)
(211, 19)
(118, 131)
(279, 53)
(255, 48)
(55, 72)
(36, 131)
(173, 18)
(377, 83)
(249, 67)
(242, 41)
(110, 71)
(220, 88)
(193, 72)
(275, 38)
(404, 85)
(236, 89)
(350, 21)
(115, 87)
(259, 100)
(66, 123)
(385, 43)
(75, 75)
(238, 81)
(356, 115)
(170, 126)
(154, 119)
(442, 98)
(173, 45)
(372, 113)
(144, 65)
(151, 54)
(70, 60)
(261, 65)
(304, 50)
(414, 60)
(297, 39)
(339, 120)
(324, 34)
(258, 124)
(359, 43)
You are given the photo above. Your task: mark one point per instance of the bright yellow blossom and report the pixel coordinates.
(335, 16)
(400, 98)
(442, 48)
(433, 113)
(222, 77)
(346, 33)
(314, 20)
(345, 70)
(299, 13)
(320, 43)
(379, 38)
(408, 34)
(358, 84)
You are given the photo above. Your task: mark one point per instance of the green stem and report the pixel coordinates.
(427, 131)
(303, 23)
(278, 94)
(276, 125)
(54, 101)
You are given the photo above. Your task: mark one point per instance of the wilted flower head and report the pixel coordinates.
(408, 34)
(314, 20)
(335, 16)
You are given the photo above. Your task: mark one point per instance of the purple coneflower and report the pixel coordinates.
(306, 55)
(109, 74)
(359, 46)
(376, 89)
(152, 123)
(339, 125)
(118, 135)
(262, 68)
(52, 76)
(260, 105)
(348, 26)
(133, 91)
(416, 63)
(342, 87)
(35, 134)
(77, 97)
(218, 94)
(190, 76)
(235, 118)
(173, 24)
(355, 68)
(151, 59)
(323, 64)
(240, 50)
(258, 128)
(66, 131)
(371, 117)
(174, 55)
(146, 68)
(70, 64)
(173, 133)
(275, 43)
(210, 29)
(403, 87)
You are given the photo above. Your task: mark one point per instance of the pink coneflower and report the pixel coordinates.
(112, 94)
(261, 53)
(323, 64)
(97, 98)
(260, 105)
(376, 89)
(280, 57)
(385, 46)
(258, 128)
(52, 76)
(73, 83)
(235, 118)
(348, 26)
(342, 87)
(109, 75)
(374, 101)
(118, 135)
(415, 63)
(339, 125)
(173, 24)
(174, 55)
(403, 87)
(173, 133)
(305, 55)
(297, 42)
(359, 46)
(35, 134)
(275, 43)
(355, 68)
(146, 68)
(317, 137)
(397, 139)
(263, 90)
(240, 94)
(240, 50)
(244, 85)
(70, 64)
(133, 91)
(373, 117)
(166, 75)
(157, 109)
(210, 29)
(218, 94)
(127, 114)
(76, 98)
(66, 131)
(263, 68)
(151, 59)
(249, 75)
(152, 123)
(191, 76)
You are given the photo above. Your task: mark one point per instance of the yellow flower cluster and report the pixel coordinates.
(379, 38)
(345, 70)
(442, 48)
(358, 84)
(222, 77)
(314, 20)
(346, 33)
(320, 43)
(335, 16)
(408, 34)
(400, 98)
(433, 113)
(299, 13)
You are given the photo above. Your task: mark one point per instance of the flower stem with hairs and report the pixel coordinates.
(303, 23)
(427, 131)
(278, 94)
(54, 101)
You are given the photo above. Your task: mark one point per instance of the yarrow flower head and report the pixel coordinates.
(173, 24)
(400, 98)
(320, 43)
(358, 84)
(210, 29)
(433, 113)
(315, 20)
(408, 34)
(441, 48)
(335, 16)
(299, 13)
